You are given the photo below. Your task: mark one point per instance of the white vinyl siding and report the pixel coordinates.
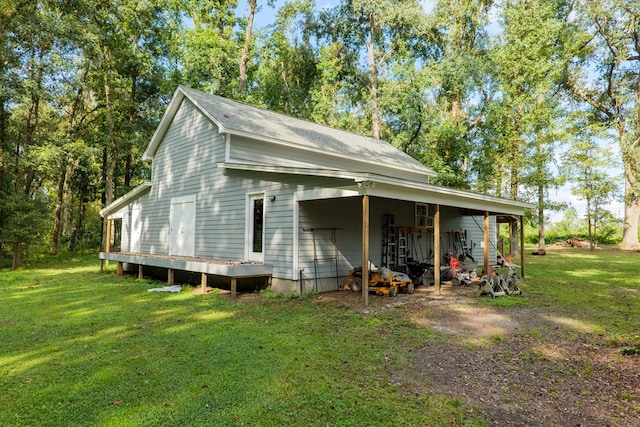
(186, 163)
(244, 150)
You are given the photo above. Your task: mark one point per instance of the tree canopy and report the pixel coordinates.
(485, 93)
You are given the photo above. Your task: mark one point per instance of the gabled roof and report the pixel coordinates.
(240, 119)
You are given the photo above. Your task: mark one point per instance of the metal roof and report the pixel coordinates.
(240, 119)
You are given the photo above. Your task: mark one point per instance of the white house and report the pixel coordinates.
(239, 191)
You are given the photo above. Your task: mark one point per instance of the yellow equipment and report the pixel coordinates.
(381, 282)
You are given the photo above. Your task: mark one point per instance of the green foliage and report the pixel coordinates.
(474, 90)
(600, 76)
(572, 226)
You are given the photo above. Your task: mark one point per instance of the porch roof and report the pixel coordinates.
(357, 183)
(123, 201)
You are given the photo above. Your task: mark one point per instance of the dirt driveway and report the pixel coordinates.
(517, 366)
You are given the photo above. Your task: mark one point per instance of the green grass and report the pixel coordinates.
(83, 348)
(80, 348)
(600, 288)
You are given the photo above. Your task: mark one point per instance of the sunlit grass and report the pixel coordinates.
(83, 348)
(600, 288)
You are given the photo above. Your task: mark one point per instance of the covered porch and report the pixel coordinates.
(356, 212)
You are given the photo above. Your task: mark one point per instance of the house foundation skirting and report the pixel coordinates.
(307, 285)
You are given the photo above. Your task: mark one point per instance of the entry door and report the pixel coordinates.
(136, 229)
(255, 227)
(183, 226)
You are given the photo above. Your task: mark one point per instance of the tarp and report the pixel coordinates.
(173, 288)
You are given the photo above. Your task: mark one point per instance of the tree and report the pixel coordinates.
(585, 165)
(459, 85)
(526, 110)
(128, 41)
(29, 60)
(386, 33)
(604, 74)
(207, 50)
(287, 63)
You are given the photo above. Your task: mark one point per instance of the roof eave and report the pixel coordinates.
(123, 201)
(426, 171)
(386, 186)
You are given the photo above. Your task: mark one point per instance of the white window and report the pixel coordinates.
(254, 242)
(423, 219)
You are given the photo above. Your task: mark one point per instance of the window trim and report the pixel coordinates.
(250, 255)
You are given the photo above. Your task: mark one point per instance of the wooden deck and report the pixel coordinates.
(227, 268)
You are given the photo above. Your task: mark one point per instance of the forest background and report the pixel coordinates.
(512, 98)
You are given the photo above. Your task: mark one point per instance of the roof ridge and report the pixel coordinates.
(288, 117)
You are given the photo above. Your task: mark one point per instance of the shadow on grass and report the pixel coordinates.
(83, 348)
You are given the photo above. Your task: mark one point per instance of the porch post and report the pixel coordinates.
(203, 283)
(511, 242)
(486, 242)
(365, 249)
(522, 246)
(436, 246)
(107, 244)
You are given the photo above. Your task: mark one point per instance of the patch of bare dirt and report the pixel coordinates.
(515, 366)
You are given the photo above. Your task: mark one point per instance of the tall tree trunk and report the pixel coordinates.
(110, 158)
(244, 58)
(57, 218)
(31, 124)
(16, 255)
(373, 69)
(632, 204)
(128, 173)
(541, 236)
(631, 218)
(589, 225)
(73, 243)
(3, 130)
(632, 199)
(65, 168)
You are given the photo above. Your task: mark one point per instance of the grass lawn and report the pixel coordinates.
(82, 348)
(600, 288)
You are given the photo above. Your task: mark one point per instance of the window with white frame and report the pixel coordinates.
(423, 219)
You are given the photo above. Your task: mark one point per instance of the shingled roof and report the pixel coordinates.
(241, 119)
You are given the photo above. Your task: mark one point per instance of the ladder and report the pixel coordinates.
(461, 236)
(395, 245)
(389, 248)
(401, 261)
